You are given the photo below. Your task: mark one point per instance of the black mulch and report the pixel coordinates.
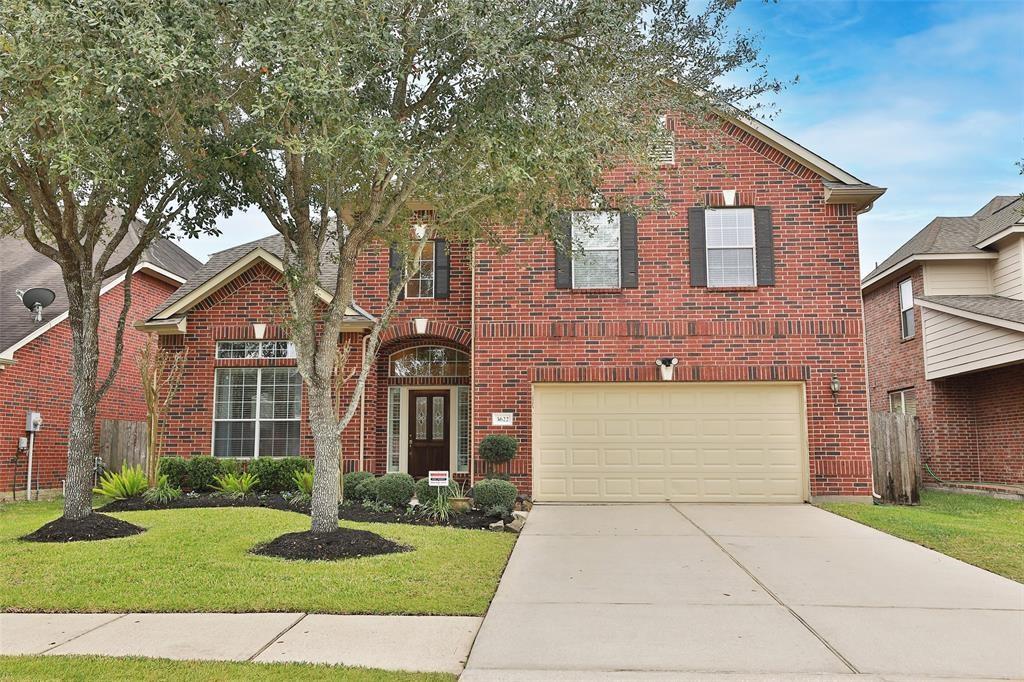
(350, 511)
(344, 543)
(92, 527)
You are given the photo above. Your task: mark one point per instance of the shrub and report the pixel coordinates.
(498, 448)
(351, 481)
(235, 485)
(492, 492)
(129, 482)
(438, 509)
(303, 483)
(231, 466)
(396, 489)
(365, 490)
(202, 471)
(176, 470)
(277, 475)
(163, 492)
(498, 511)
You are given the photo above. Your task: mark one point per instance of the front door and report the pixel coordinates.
(429, 432)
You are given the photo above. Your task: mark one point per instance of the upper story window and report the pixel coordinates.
(256, 412)
(429, 361)
(255, 350)
(907, 308)
(903, 402)
(421, 284)
(730, 247)
(666, 153)
(596, 255)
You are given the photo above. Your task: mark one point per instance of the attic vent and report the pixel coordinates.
(666, 151)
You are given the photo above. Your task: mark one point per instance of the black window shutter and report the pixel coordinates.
(698, 250)
(395, 272)
(628, 247)
(442, 269)
(563, 251)
(763, 241)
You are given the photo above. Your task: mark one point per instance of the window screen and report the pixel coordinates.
(730, 247)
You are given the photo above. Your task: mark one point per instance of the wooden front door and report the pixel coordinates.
(429, 432)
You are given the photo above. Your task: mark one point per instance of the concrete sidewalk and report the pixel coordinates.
(415, 643)
(756, 591)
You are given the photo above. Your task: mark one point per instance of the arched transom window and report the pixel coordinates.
(429, 361)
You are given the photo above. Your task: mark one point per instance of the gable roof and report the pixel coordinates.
(964, 236)
(224, 266)
(998, 310)
(22, 267)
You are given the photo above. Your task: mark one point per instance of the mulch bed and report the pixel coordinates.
(351, 511)
(344, 543)
(92, 527)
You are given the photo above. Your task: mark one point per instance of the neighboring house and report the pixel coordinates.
(35, 358)
(749, 279)
(945, 340)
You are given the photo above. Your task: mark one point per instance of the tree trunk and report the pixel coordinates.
(326, 463)
(84, 319)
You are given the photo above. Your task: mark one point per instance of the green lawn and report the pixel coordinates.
(980, 530)
(87, 668)
(198, 560)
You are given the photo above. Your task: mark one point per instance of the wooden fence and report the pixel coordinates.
(896, 457)
(123, 443)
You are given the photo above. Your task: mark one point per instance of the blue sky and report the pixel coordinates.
(925, 98)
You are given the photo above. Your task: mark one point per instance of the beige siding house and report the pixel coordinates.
(945, 339)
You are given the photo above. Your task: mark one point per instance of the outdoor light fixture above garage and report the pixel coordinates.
(667, 367)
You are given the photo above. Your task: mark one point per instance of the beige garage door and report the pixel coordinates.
(721, 442)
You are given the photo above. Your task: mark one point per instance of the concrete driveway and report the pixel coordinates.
(648, 591)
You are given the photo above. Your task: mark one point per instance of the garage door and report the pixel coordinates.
(721, 442)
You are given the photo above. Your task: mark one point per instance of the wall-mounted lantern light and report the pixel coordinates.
(835, 386)
(667, 367)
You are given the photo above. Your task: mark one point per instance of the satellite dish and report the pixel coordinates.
(36, 299)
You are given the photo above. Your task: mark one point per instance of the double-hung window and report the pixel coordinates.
(596, 250)
(421, 283)
(903, 402)
(907, 309)
(730, 247)
(256, 411)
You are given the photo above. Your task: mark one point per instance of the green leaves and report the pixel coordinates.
(129, 482)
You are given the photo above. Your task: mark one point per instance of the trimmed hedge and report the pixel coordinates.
(396, 489)
(428, 493)
(350, 484)
(492, 492)
(202, 470)
(366, 490)
(277, 474)
(498, 448)
(176, 469)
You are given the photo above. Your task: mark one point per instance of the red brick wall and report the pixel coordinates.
(41, 379)
(805, 327)
(998, 399)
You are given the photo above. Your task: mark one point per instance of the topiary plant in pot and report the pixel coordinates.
(497, 448)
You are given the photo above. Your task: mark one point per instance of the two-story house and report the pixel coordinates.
(746, 287)
(945, 341)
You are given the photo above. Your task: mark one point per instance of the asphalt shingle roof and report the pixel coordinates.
(957, 234)
(1009, 309)
(224, 259)
(22, 267)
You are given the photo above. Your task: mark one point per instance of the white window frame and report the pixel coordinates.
(907, 307)
(667, 150)
(753, 247)
(256, 413)
(416, 272)
(901, 395)
(581, 252)
(261, 347)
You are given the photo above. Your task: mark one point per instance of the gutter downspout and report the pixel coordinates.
(362, 413)
(472, 358)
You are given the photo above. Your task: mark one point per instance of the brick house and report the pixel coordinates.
(748, 282)
(35, 367)
(945, 341)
